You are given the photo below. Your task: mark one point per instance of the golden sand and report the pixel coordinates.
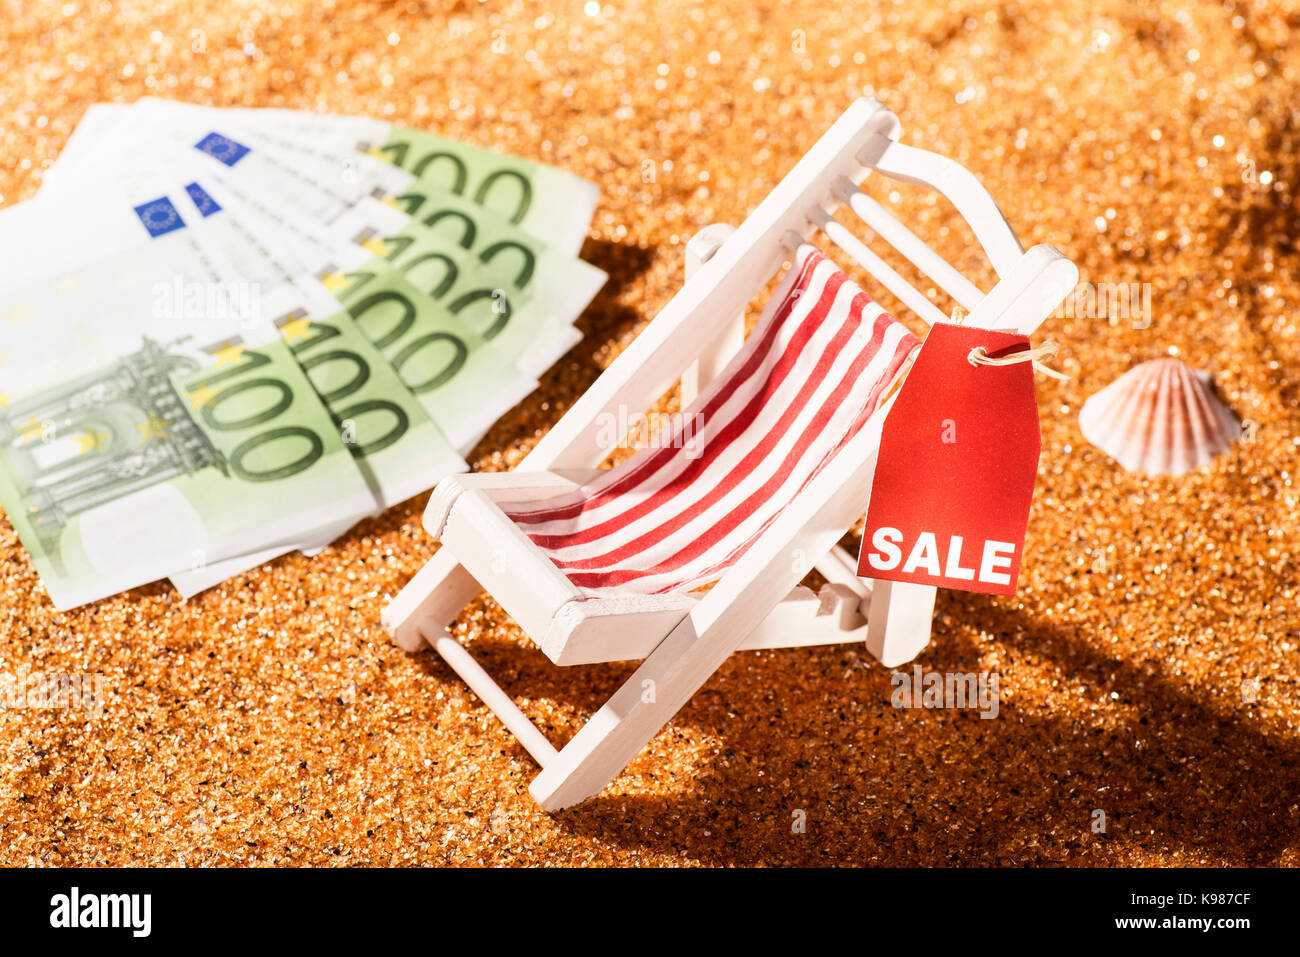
(270, 721)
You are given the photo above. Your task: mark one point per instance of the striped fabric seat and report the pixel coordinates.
(673, 517)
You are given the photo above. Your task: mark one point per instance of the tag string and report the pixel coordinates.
(978, 357)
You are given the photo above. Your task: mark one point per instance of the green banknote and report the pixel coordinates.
(463, 382)
(151, 419)
(317, 185)
(512, 288)
(550, 203)
(516, 292)
(396, 445)
(247, 377)
(399, 449)
(461, 379)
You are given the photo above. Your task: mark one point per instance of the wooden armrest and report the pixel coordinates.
(499, 487)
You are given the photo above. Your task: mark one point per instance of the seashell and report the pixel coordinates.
(1161, 418)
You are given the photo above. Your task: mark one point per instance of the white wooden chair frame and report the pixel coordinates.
(758, 602)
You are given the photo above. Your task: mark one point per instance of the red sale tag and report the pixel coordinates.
(955, 475)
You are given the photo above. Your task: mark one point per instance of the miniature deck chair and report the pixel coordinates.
(601, 565)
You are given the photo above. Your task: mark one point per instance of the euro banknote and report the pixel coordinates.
(137, 438)
(552, 204)
(258, 276)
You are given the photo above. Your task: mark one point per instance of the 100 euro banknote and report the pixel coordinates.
(398, 448)
(516, 292)
(463, 382)
(495, 277)
(317, 186)
(138, 435)
(508, 286)
(552, 204)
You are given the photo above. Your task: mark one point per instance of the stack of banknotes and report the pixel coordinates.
(230, 334)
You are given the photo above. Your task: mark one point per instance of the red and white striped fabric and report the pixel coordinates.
(674, 517)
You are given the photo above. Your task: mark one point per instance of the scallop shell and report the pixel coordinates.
(1161, 418)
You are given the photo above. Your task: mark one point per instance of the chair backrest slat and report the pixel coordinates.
(888, 277)
(908, 164)
(909, 244)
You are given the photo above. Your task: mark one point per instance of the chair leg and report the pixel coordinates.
(667, 679)
(492, 695)
(430, 601)
(420, 614)
(898, 621)
(594, 756)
